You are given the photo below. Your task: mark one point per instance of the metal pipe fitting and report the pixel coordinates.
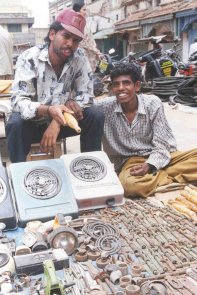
(132, 290)
(115, 276)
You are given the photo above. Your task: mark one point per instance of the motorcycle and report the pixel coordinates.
(193, 62)
(101, 78)
(158, 63)
(189, 68)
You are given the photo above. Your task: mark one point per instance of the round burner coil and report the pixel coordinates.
(110, 244)
(88, 168)
(99, 228)
(3, 190)
(4, 259)
(42, 183)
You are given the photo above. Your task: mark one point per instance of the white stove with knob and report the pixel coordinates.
(93, 179)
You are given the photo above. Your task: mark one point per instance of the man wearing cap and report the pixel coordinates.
(49, 80)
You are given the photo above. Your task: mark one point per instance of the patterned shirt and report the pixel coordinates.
(36, 82)
(149, 135)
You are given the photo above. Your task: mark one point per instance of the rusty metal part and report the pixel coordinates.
(177, 285)
(99, 228)
(162, 267)
(92, 252)
(168, 263)
(105, 278)
(157, 286)
(96, 292)
(136, 269)
(92, 270)
(111, 267)
(125, 281)
(109, 243)
(122, 257)
(103, 285)
(162, 276)
(102, 261)
(115, 276)
(123, 267)
(190, 283)
(132, 290)
(190, 238)
(93, 255)
(81, 255)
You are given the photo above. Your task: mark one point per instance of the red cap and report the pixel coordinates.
(72, 21)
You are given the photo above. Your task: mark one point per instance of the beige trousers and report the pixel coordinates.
(181, 169)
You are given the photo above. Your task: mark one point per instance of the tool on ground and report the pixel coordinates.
(52, 285)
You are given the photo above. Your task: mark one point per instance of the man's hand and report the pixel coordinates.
(48, 142)
(140, 170)
(73, 105)
(56, 112)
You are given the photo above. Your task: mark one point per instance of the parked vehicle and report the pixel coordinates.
(193, 62)
(159, 63)
(101, 78)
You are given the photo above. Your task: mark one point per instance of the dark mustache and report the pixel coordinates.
(67, 48)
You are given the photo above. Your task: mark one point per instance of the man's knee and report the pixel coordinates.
(95, 113)
(132, 186)
(14, 123)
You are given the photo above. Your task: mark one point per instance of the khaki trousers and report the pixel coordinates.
(181, 169)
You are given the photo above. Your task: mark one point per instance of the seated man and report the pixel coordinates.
(49, 80)
(138, 138)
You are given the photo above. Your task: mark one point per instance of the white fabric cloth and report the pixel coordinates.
(149, 135)
(36, 83)
(193, 48)
(6, 49)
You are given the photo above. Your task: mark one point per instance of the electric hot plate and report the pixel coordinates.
(7, 211)
(42, 189)
(93, 179)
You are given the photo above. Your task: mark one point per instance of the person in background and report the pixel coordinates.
(193, 47)
(6, 49)
(88, 43)
(49, 80)
(138, 139)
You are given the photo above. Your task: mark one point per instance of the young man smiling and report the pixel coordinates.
(138, 138)
(49, 80)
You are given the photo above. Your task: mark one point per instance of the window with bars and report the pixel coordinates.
(14, 28)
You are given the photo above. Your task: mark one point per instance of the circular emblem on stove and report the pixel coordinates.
(88, 168)
(42, 183)
(3, 190)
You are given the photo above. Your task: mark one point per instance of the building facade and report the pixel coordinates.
(176, 19)
(17, 20)
(128, 25)
(56, 6)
